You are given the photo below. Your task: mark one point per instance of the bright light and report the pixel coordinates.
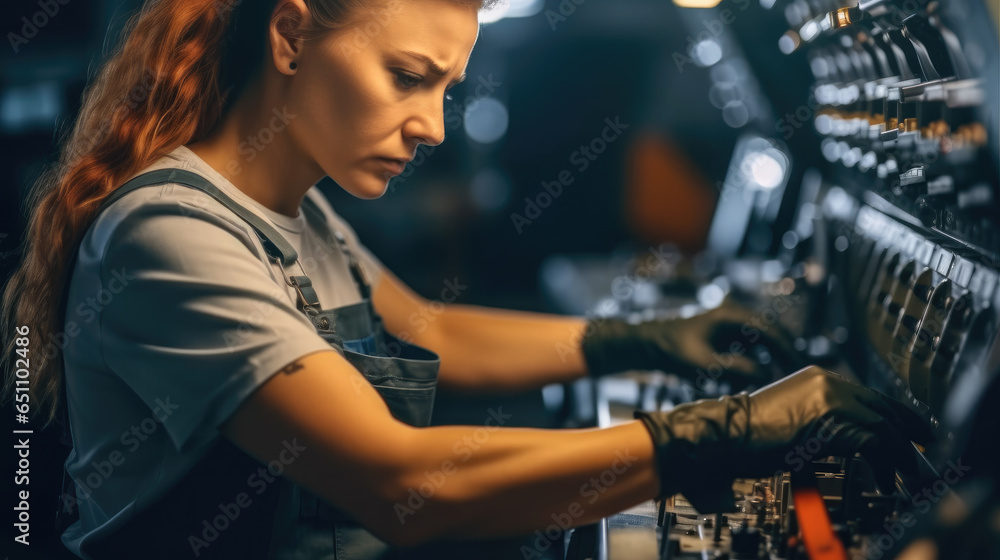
(823, 124)
(767, 168)
(706, 52)
(32, 106)
(486, 121)
(697, 3)
(736, 114)
(512, 9)
(710, 296)
(809, 31)
(489, 190)
(788, 42)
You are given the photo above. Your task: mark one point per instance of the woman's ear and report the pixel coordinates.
(287, 29)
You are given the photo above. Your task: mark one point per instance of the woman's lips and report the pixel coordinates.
(394, 166)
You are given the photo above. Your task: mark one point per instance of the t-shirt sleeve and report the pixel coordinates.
(198, 318)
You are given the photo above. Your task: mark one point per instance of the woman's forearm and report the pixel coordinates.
(492, 482)
(483, 348)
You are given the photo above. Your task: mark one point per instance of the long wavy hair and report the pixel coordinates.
(178, 67)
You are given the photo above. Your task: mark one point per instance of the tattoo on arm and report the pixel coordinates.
(292, 367)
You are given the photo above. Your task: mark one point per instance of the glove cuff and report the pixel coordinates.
(696, 445)
(609, 346)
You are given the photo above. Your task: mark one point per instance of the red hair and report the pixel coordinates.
(178, 66)
(158, 90)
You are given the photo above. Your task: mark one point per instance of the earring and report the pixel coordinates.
(293, 65)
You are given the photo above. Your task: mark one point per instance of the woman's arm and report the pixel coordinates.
(335, 435)
(483, 348)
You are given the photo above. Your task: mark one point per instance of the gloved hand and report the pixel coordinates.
(715, 345)
(702, 446)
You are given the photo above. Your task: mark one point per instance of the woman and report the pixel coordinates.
(231, 391)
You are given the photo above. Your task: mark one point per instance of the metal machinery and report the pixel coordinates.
(886, 270)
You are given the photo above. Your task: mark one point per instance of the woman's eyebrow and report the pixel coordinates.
(433, 66)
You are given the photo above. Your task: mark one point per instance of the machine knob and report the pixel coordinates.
(927, 213)
(844, 17)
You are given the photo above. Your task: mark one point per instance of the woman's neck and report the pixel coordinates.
(252, 147)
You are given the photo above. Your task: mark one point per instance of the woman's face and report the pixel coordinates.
(371, 92)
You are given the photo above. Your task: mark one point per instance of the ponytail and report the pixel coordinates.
(179, 66)
(168, 83)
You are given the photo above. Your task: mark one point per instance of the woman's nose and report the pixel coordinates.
(426, 126)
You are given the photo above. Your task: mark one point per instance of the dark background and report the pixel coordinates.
(450, 217)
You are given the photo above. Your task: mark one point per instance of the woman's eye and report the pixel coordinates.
(407, 80)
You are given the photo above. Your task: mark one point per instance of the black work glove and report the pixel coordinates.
(717, 345)
(703, 446)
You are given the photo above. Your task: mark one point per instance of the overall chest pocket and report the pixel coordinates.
(410, 401)
(404, 375)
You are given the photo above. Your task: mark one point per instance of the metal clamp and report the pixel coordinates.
(311, 308)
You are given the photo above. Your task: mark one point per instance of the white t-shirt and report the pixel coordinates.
(174, 317)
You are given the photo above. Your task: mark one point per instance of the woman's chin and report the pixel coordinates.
(366, 187)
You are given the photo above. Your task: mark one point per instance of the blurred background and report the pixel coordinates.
(541, 86)
(598, 144)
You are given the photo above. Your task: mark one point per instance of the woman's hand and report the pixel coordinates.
(701, 447)
(715, 345)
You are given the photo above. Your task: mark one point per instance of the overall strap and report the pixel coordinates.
(278, 249)
(274, 243)
(356, 271)
(310, 207)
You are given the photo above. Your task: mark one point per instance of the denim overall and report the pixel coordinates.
(285, 521)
